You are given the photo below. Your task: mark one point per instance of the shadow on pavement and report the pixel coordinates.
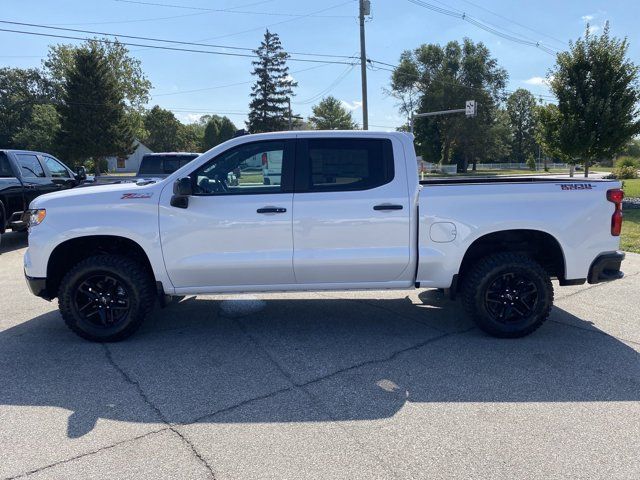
(13, 241)
(297, 360)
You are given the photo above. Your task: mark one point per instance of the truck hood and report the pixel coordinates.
(100, 194)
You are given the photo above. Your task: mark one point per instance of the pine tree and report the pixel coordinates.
(273, 88)
(92, 114)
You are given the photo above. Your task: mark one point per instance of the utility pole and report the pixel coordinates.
(290, 119)
(365, 9)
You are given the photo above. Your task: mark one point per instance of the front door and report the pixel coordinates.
(35, 180)
(351, 211)
(60, 175)
(236, 229)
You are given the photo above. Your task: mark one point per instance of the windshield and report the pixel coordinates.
(164, 164)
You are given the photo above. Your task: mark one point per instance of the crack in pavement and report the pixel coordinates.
(147, 400)
(312, 397)
(295, 385)
(594, 330)
(86, 454)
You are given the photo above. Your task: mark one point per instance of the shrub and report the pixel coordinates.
(627, 162)
(531, 162)
(625, 173)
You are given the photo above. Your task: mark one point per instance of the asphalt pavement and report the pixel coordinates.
(333, 385)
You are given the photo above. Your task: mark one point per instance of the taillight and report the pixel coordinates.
(615, 196)
(265, 160)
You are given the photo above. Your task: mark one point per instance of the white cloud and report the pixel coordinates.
(588, 18)
(188, 117)
(351, 106)
(538, 81)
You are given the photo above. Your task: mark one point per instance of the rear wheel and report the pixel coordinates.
(509, 295)
(106, 298)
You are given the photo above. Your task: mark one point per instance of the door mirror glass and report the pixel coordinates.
(81, 174)
(182, 187)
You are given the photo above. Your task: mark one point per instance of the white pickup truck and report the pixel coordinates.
(349, 213)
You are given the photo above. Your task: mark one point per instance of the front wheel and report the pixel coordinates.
(106, 298)
(509, 295)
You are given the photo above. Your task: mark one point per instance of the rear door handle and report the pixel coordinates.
(387, 206)
(271, 210)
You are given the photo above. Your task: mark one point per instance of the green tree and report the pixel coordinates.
(329, 114)
(499, 138)
(435, 77)
(163, 130)
(130, 79)
(218, 130)
(20, 91)
(273, 89)
(41, 131)
(521, 106)
(597, 90)
(93, 117)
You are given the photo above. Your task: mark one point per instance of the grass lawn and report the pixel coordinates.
(632, 188)
(630, 238)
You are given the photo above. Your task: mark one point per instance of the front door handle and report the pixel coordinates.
(387, 206)
(271, 210)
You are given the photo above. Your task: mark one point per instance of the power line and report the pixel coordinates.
(160, 40)
(310, 14)
(233, 9)
(295, 72)
(158, 47)
(442, 82)
(487, 28)
(563, 42)
(155, 18)
(326, 90)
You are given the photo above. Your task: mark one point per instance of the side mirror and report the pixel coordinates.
(182, 189)
(81, 174)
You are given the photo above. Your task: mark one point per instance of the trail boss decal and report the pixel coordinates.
(576, 186)
(134, 196)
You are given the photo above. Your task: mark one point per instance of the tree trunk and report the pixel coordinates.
(97, 162)
(586, 169)
(571, 170)
(446, 147)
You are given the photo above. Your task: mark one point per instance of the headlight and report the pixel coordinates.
(36, 217)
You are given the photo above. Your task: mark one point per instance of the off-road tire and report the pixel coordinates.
(133, 277)
(478, 281)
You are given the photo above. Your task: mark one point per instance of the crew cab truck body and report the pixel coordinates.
(25, 175)
(349, 213)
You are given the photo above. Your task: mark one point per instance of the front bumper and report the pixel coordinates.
(38, 286)
(606, 268)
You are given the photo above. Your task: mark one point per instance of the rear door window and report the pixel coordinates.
(30, 165)
(5, 166)
(346, 164)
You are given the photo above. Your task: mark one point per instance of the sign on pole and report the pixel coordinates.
(470, 108)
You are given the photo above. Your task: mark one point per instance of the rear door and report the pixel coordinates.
(35, 180)
(351, 212)
(11, 191)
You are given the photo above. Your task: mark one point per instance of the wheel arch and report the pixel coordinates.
(538, 244)
(70, 252)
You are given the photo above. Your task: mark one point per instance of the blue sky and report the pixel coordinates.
(395, 25)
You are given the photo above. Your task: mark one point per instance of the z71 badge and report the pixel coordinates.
(133, 196)
(576, 186)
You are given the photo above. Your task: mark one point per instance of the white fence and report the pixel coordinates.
(427, 167)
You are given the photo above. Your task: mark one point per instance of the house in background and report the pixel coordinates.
(131, 163)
